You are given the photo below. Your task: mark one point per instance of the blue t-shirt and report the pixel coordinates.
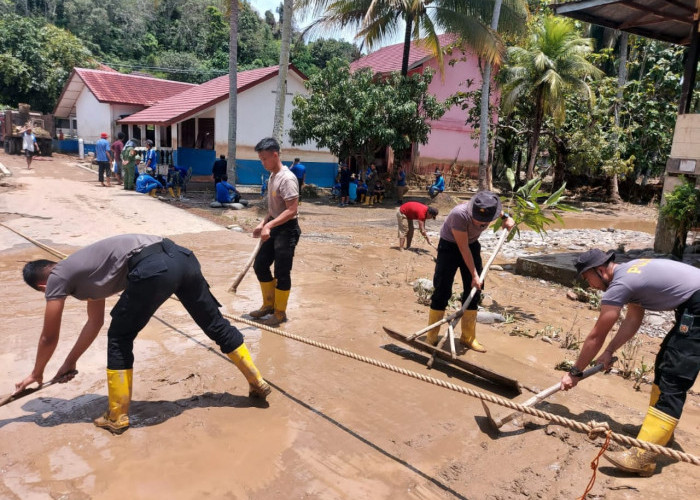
(299, 170)
(402, 179)
(439, 184)
(150, 159)
(101, 148)
(222, 192)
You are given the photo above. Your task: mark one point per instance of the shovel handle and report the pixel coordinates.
(27, 391)
(542, 395)
(454, 317)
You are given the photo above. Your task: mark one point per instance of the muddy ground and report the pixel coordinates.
(334, 427)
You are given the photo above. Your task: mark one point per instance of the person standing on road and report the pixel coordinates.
(459, 248)
(218, 170)
(279, 232)
(129, 156)
(401, 187)
(151, 157)
(30, 146)
(117, 147)
(344, 185)
(102, 155)
(299, 170)
(641, 284)
(147, 270)
(406, 214)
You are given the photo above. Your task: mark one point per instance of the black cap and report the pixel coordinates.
(485, 206)
(592, 258)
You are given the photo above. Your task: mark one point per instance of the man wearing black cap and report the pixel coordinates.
(657, 285)
(459, 248)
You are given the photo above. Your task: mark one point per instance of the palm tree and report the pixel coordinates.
(552, 65)
(232, 90)
(287, 14)
(377, 20)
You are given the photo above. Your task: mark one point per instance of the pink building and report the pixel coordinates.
(450, 139)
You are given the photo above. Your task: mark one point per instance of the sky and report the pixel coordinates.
(262, 5)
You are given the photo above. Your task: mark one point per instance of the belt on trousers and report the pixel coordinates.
(147, 251)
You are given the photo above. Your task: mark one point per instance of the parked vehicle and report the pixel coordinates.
(14, 122)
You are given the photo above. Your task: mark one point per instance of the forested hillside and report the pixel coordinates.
(185, 40)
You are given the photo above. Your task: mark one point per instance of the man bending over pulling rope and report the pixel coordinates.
(147, 270)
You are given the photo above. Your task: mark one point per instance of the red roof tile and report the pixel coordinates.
(119, 88)
(388, 59)
(194, 100)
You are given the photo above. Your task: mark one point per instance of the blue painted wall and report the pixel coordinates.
(322, 174)
(65, 146)
(250, 172)
(200, 160)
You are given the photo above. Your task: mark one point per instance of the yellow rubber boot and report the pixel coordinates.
(241, 358)
(468, 337)
(171, 192)
(280, 314)
(116, 419)
(178, 192)
(658, 429)
(432, 335)
(268, 294)
(152, 193)
(654, 395)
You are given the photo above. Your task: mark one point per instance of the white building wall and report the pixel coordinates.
(256, 113)
(93, 117)
(117, 111)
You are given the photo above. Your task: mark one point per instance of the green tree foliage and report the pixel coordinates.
(552, 64)
(35, 60)
(354, 114)
(682, 212)
(423, 20)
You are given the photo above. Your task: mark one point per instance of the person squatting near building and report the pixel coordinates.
(641, 284)
(176, 181)
(226, 192)
(146, 183)
(279, 232)
(459, 248)
(438, 186)
(406, 214)
(103, 157)
(147, 270)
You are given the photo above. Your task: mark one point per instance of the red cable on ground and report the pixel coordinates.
(594, 465)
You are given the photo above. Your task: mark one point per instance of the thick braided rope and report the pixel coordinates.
(593, 429)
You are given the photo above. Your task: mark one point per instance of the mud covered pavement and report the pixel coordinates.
(333, 428)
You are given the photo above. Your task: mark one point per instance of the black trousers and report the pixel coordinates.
(449, 259)
(279, 248)
(156, 273)
(678, 361)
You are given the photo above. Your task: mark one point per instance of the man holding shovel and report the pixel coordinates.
(279, 232)
(459, 248)
(147, 270)
(657, 285)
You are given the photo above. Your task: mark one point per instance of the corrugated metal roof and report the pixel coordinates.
(194, 100)
(667, 20)
(116, 88)
(389, 58)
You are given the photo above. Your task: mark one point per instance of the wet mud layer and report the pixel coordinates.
(333, 427)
